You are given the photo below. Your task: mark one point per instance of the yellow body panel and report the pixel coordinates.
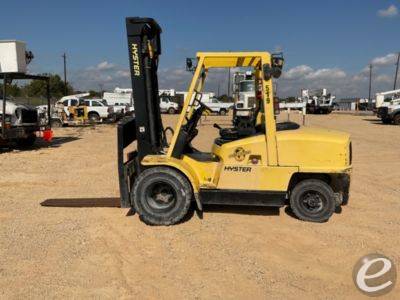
(266, 161)
(314, 150)
(200, 174)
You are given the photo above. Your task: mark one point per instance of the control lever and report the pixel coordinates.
(217, 126)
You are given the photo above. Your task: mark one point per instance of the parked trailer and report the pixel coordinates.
(19, 123)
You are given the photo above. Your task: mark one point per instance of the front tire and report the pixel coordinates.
(312, 200)
(387, 121)
(161, 196)
(171, 111)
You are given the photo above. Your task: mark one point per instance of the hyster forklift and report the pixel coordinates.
(262, 164)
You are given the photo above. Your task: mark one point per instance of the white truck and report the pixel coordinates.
(167, 105)
(244, 94)
(97, 110)
(388, 106)
(121, 100)
(218, 107)
(317, 101)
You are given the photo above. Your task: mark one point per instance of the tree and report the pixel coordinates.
(94, 94)
(225, 98)
(12, 90)
(38, 87)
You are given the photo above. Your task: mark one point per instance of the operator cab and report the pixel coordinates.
(249, 125)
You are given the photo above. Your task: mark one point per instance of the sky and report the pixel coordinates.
(325, 43)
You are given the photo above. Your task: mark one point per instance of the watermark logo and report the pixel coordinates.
(374, 275)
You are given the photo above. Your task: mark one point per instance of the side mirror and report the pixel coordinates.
(28, 57)
(275, 68)
(267, 70)
(191, 64)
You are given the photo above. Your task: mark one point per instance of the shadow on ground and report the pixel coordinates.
(376, 121)
(82, 202)
(242, 210)
(39, 144)
(115, 202)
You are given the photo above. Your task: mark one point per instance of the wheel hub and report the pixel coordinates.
(312, 201)
(160, 196)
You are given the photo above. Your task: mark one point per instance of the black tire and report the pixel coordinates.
(396, 119)
(94, 117)
(56, 123)
(387, 121)
(222, 112)
(149, 192)
(313, 200)
(171, 111)
(26, 142)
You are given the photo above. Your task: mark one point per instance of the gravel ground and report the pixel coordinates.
(100, 251)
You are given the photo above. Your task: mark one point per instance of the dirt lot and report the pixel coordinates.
(253, 253)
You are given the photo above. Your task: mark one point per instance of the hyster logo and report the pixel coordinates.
(135, 58)
(237, 169)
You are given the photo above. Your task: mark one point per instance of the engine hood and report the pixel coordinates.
(314, 149)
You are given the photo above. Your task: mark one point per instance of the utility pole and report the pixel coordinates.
(397, 71)
(370, 84)
(218, 89)
(101, 86)
(64, 56)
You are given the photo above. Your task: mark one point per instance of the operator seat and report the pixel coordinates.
(232, 134)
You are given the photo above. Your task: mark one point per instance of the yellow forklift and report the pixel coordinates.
(259, 163)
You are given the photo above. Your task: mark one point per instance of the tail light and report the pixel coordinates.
(47, 135)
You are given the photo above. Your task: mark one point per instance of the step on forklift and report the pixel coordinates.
(261, 164)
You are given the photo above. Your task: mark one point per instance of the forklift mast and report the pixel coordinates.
(144, 49)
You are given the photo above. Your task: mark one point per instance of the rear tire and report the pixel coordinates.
(313, 200)
(386, 121)
(171, 111)
(56, 123)
(26, 142)
(94, 117)
(222, 112)
(161, 196)
(396, 119)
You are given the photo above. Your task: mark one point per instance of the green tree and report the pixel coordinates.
(12, 90)
(225, 98)
(37, 88)
(94, 94)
